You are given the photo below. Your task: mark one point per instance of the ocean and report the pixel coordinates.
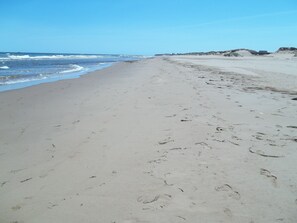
(18, 70)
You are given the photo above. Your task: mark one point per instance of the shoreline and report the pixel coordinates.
(74, 75)
(165, 139)
(28, 69)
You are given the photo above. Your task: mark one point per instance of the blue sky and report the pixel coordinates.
(146, 26)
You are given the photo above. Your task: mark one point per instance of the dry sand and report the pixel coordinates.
(178, 139)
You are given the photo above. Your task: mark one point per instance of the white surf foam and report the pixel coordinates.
(4, 67)
(23, 80)
(74, 68)
(54, 57)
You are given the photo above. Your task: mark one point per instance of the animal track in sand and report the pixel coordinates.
(231, 193)
(268, 174)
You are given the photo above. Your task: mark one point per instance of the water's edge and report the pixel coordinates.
(74, 75)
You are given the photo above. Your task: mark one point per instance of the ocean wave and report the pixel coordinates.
(13, 80)
(74, 68)
(54, 57)
(4, 67)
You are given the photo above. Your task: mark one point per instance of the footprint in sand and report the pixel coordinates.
(165, 141)
(148, 199)
(133, 220)
(181, 217)
(157, 161)
(3, 183)
(261, 153)
(268, 174)
(75, 122)
(204, 145)
(51, 205)
(16, 171)
(160, 200)
(231, 193)
(185, 120)
(228, 212)
(219, 129)
(170, 116)
(292, 126)
(16, 208)
(168, 184)
(25, 180)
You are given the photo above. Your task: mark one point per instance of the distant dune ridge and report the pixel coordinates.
(287, 50)
(238, 52)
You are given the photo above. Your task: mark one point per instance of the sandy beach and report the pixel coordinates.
(166, 139)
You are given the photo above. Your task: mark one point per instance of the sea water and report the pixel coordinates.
(18, 70)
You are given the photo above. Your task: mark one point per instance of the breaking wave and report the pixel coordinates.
(53, 57)
(74, 68)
